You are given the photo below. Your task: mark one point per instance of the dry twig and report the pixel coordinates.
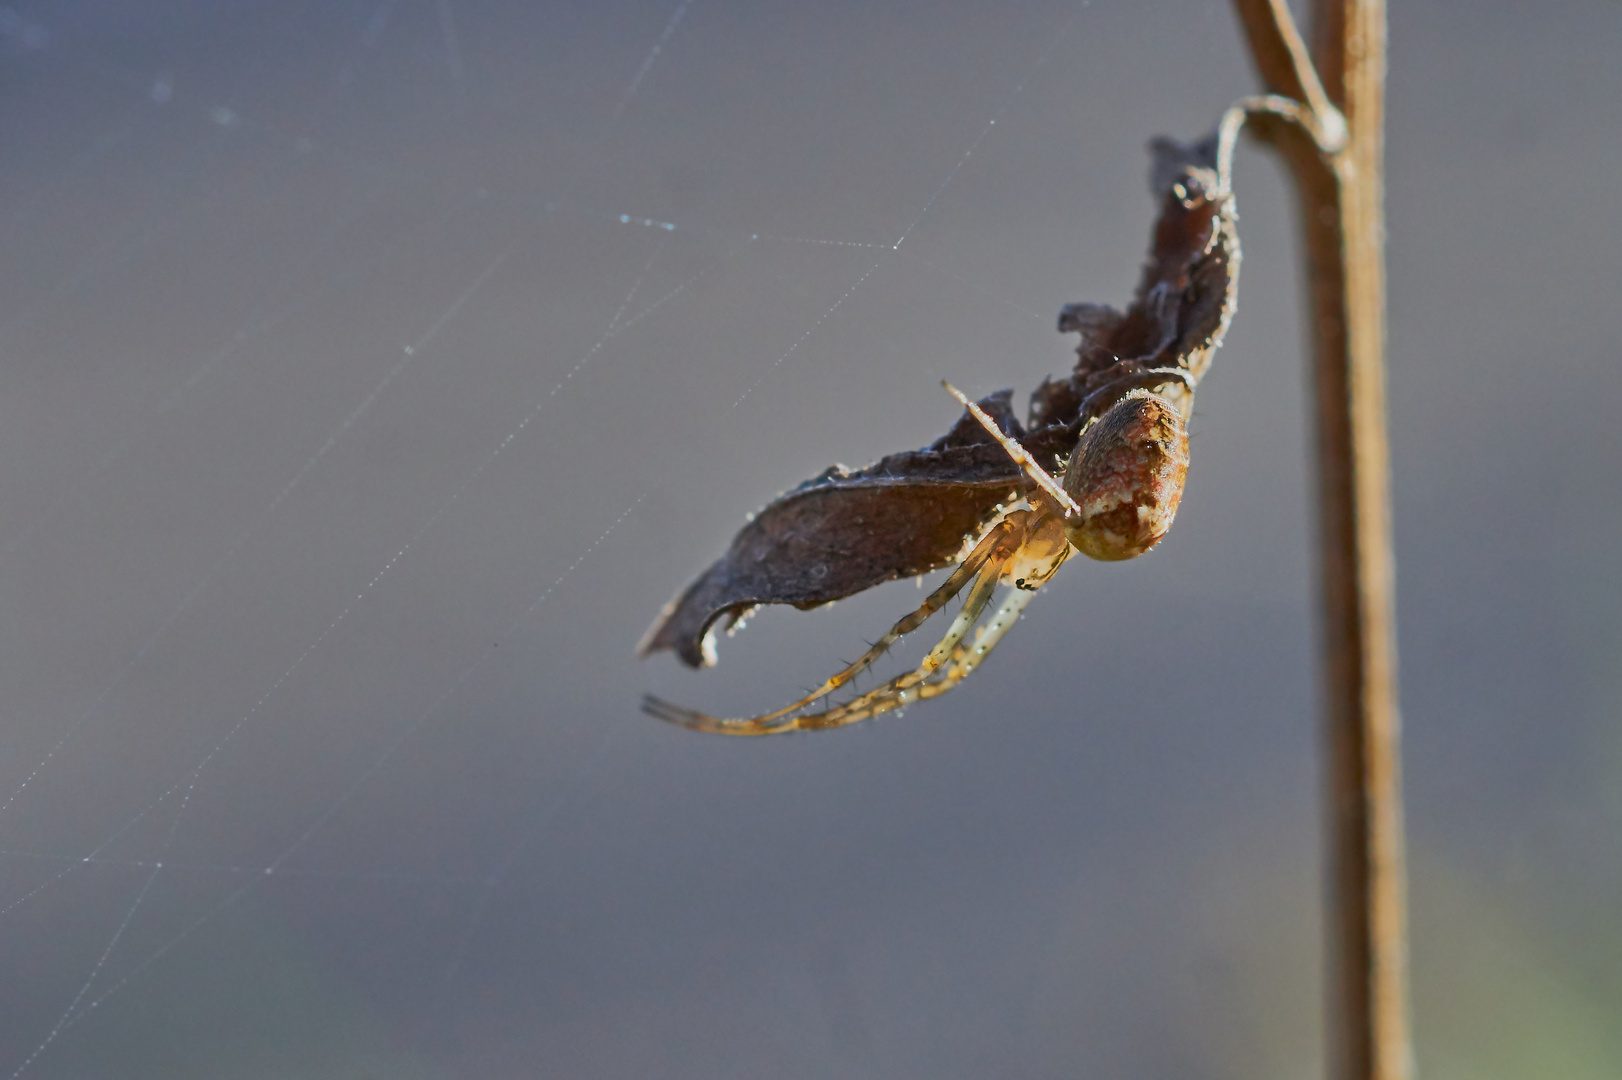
(1340, 195)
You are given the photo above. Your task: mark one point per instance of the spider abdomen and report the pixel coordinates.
(1127, 476)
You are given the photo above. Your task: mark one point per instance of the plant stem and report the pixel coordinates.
(1340, 196)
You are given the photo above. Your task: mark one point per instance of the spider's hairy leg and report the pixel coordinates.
(900, 690)
(1021, 456)
(969, 657)
(1043, 550)
(965, 659)
(989, 557)
(921, 685)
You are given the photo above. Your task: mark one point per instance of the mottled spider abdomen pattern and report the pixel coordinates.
(1127, 476)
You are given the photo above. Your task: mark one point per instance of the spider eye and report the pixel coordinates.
(1127, 475)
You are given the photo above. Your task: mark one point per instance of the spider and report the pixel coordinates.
(1116, 500)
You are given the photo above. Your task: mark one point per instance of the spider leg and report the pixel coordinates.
(988, 559)
(1021, 456)
(921, 685)
(959, 659)
(970, 657)
(904, 687)
(964, 659)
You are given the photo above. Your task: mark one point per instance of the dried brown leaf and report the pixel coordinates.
(844, 531)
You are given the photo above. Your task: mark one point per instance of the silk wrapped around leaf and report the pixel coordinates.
(911, 512)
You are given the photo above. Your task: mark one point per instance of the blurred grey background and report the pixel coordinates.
(371, 372)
